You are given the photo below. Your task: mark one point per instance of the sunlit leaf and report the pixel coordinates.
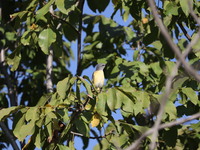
(18, 126)
(26, 129)
(62, 87)
(170, 109)
(111, 98)
(41, 12)
(46, 38)
(66, 6)
(32, 114)
(185, 6)
(191, 94)
(5, 112)
(101, 104)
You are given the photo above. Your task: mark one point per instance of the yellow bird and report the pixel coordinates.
(98, 76)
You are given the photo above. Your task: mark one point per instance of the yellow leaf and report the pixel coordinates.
(95, 120)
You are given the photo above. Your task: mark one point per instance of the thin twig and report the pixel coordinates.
(169, 40)
(162, 126)
(185, 32)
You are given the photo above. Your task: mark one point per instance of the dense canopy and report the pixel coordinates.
(156, 91)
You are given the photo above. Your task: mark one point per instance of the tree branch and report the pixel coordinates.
(49, 83)
(164, 99)
(80, 6)
(162, 126)
(11, 138)
(169, 40)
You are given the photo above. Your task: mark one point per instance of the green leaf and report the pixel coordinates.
(14, 59)
(101, 104)
(140, 129)
(42, 11)
(130, 34)
(127, 103)
(191, 94)
(171, 9)
(111, 98)
(32, 114)
(49, 128)
(5, 112)
(82, 127)
(119, 140)
(196, 45)
(62, 87)
(38, 139)
(104, 143)
(63, 113)
(137, 108)
(26, 37)
(63, 147)
(119, 99)
(185, 6)
(18, 126)
(10, 36)
(178, 81)
(66, 6)
(86, 85)
(157, 45)
(26, 129)
(46, 38)
(43, 100)
(126, 10)
(156, 68)
(167, 20)
(170, 109)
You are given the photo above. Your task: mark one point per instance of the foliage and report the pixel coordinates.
(30, 28)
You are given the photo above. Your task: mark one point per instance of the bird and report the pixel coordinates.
(98, 77)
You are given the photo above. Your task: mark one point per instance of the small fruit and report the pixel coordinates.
(145, 20)
(95, 120)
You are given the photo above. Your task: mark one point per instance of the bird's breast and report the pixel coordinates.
(98, 78)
